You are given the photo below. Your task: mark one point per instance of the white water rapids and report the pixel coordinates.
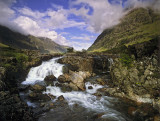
(85, 98)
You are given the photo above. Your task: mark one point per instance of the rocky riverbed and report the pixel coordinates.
(78, 87)
(81, 88)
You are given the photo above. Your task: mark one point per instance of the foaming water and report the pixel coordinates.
(37, 74)
(88, 100)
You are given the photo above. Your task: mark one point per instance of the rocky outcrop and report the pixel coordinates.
(139, 82)
(88, 63)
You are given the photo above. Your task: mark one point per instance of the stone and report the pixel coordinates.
(156, 118)
(90, 87)
(97, 116)
(73, 86)
(101, 81)
(51, 104)
(131, 111)
(64, 78)
(50, 79)
(52, 96)
(42, 104)
(37, 88)
(39, 97)
(61, 98)
(78, 81)
(97, 94)
(66, 88)
(65, 69)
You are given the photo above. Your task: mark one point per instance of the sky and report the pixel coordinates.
(75, 23)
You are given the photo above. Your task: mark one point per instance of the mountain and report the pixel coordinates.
(138, 26)
(20, 41)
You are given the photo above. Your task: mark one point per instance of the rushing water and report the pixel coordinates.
(85, 99)
(37, 74)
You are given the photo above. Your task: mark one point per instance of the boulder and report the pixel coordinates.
(101, 81)
(61, 98)
(78, 81)
(90, 87)
(38, 88)
(49, 79)
(65, 69)
(51, 96)
(39, 97)
(64, 78)
(73, 86)
(66, 88)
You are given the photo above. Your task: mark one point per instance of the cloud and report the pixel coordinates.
(107, 14)
(31, 27)
(59, 19)
(78, 45)
(7, 15)
(28, 12)
(83, 37)
(104, 14)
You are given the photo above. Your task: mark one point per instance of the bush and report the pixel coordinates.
(126, 60)
(21, 58)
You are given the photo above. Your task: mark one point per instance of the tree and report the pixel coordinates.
(70, 49)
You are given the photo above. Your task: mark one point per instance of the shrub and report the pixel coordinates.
(126, 60)
(21, 58)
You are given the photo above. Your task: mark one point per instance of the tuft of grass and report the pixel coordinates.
(3, 45)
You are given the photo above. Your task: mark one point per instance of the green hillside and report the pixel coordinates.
(138, 26)
(19, 41)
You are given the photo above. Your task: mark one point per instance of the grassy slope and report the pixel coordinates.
(137, 26)
(17, 40)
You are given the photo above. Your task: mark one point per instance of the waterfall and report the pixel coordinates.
(37, 74)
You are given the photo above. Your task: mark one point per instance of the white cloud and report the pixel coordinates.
(28, 12)
(104, 14)
(59, 19)
(80, 45)
(107, 14)
(83, 37)
(31, 27)
(7, 15)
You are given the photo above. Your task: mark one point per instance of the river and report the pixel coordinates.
(79, 105)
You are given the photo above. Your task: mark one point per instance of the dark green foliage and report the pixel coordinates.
(126, 60)
(21, 58)
(70, 49)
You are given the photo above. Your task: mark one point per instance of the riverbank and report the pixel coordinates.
(14, 67)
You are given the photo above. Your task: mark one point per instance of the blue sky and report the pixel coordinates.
(74, 23)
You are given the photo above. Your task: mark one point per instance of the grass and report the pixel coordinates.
(7, 53)
(3, 45)
(138, 26)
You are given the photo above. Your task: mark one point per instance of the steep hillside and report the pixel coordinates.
(139, 25)
(17, 40)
